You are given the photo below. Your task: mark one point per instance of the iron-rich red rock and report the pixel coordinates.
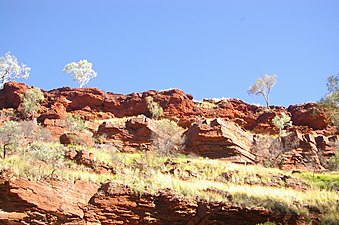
(220, 139)
(92, 104)
(309, 115)
(50, 202)
(11, 94)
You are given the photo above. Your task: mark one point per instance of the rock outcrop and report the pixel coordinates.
(134, 133)
(43, 202)
(60, 202)
(174, 102)
(309, 115)
(226, 137)
(166, 207)
(220, 139)
(227, 129)
(307, 151)
(11, 94)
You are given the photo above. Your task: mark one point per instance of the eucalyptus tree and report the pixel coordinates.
(10, 69)
(81, 71)
(263, 86)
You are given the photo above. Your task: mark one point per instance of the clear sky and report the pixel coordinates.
(211, 48)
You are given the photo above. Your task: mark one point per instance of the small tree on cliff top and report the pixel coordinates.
(10, 69)
(81, 71)
(263, 86)
(331, 101)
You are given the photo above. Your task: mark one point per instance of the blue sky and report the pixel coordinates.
(214, 48)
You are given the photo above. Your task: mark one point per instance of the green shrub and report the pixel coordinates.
(11, 136)
(154, 108)
(31, 102)
(327, 181)
(330, 102)
(281, 122)
(333, 162)
(49, 154)
(75, 123)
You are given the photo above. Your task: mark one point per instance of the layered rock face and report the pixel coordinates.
(174, 102)
(229, 135)
(135, 133)
(49, 202)
(220, 139)
(227, 129)
(61, 202)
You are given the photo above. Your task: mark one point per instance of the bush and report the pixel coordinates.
(333, 162)
(270, 151)
(43, 135)
(29, 129)
(52, 155)
(330, 102)
(154, 108)
(31, 102)
(281, 122)
(75, 123)
(169, 137)
(17, 135)
(11, 136)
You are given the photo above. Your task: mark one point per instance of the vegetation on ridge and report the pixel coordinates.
(190, 177)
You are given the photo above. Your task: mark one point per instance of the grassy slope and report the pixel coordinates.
(191, 177)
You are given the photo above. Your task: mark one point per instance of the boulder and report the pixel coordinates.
(11, 94)
(77, 138)
(135, 133)
(220, 139)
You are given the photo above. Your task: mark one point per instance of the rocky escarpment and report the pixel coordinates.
(227, 129)
(232, 136)
(63, 202)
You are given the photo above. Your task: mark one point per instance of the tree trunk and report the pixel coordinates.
(4, 156)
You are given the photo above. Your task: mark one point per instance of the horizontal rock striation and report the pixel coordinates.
(60, 202)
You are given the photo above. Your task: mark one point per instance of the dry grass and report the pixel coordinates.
(189, 177)
(206, 105)
(119, 121)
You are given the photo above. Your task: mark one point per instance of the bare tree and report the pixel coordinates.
(168, 139)
(263, 86)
